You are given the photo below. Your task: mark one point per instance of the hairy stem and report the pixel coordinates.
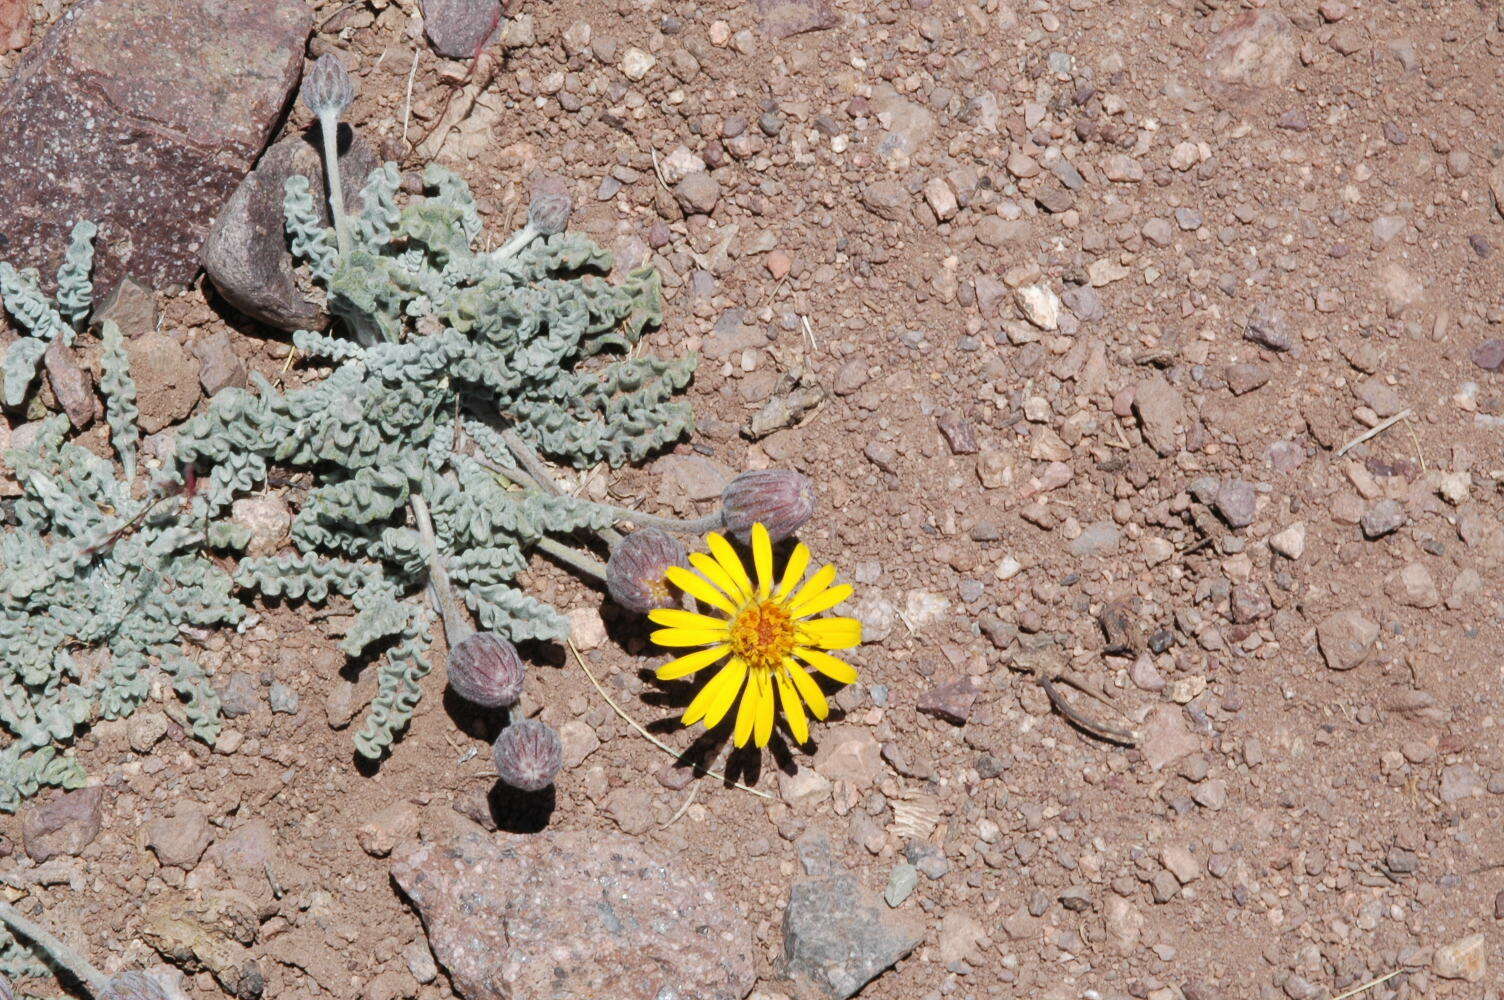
(329, 127)
(573, 558)
(519, 241)
(689, 526)
(455, 626)
(60, 953)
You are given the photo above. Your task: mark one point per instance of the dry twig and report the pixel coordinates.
(1372, 432)
(649, 736)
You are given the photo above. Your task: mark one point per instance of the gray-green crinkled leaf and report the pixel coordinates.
(310, 239)
(119, 391)
(21, 360)
(443, 348)
(96, 584)
(75, 290)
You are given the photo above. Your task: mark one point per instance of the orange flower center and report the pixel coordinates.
(762, 634)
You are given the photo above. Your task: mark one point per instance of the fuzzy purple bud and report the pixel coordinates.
(528, 755)
(635, 572)
(486, 670)
(781, 499)
(548, 211)
(134, 986)
(328, 87)
(7, 992)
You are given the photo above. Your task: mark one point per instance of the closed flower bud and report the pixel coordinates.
(327, 87)
(779, 499)
(485, 670)
(635, 571)
(6, 991)
(133, 986)
(528, 755)
(548, 211)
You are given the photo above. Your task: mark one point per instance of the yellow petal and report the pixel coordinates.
(831, 633)
(793, 708)
(678, 618)
(686, 665)
(726, 696)
(816, 603)
(715, 574)
(765, 708)
(814, 586)
(731, 563)
(762, 557)
(746, 715)
(794, 571)
(702, 702)
(807, 688)
(675, 637)
(837, 670)
(700, 589)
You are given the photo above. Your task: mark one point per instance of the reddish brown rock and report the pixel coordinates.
(15, 24)
(73, 387)
(459, 29)
(64, 825)
(952, 702)
(782, 18)
(142, 117)
(576, 914)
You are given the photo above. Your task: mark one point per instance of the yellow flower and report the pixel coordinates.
(766, 632)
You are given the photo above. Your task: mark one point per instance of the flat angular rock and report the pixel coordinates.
(142, 117)
(782, 18)
(1346, 638)
(574, 914)
(64, 825)
(1466, 959)
(838, 935)
(246, 254)
(1160, 412)
(952, 702)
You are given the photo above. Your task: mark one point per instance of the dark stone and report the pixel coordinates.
(459, 29)
(952, 702)
(246, 254)
(131, 306)
(1489, 355)
(64, 825)
(142, 117)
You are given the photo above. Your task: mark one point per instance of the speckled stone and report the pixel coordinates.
(142, 117)
(574, 915)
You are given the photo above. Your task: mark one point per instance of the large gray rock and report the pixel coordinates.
(574, 915)
(246, 254)
(141, 116)
(839, 935)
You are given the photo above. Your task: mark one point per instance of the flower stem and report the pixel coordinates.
(329, 126)
(519, 241)
(690, 526)
(573, 558)
(60, 953)
(455, 626)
